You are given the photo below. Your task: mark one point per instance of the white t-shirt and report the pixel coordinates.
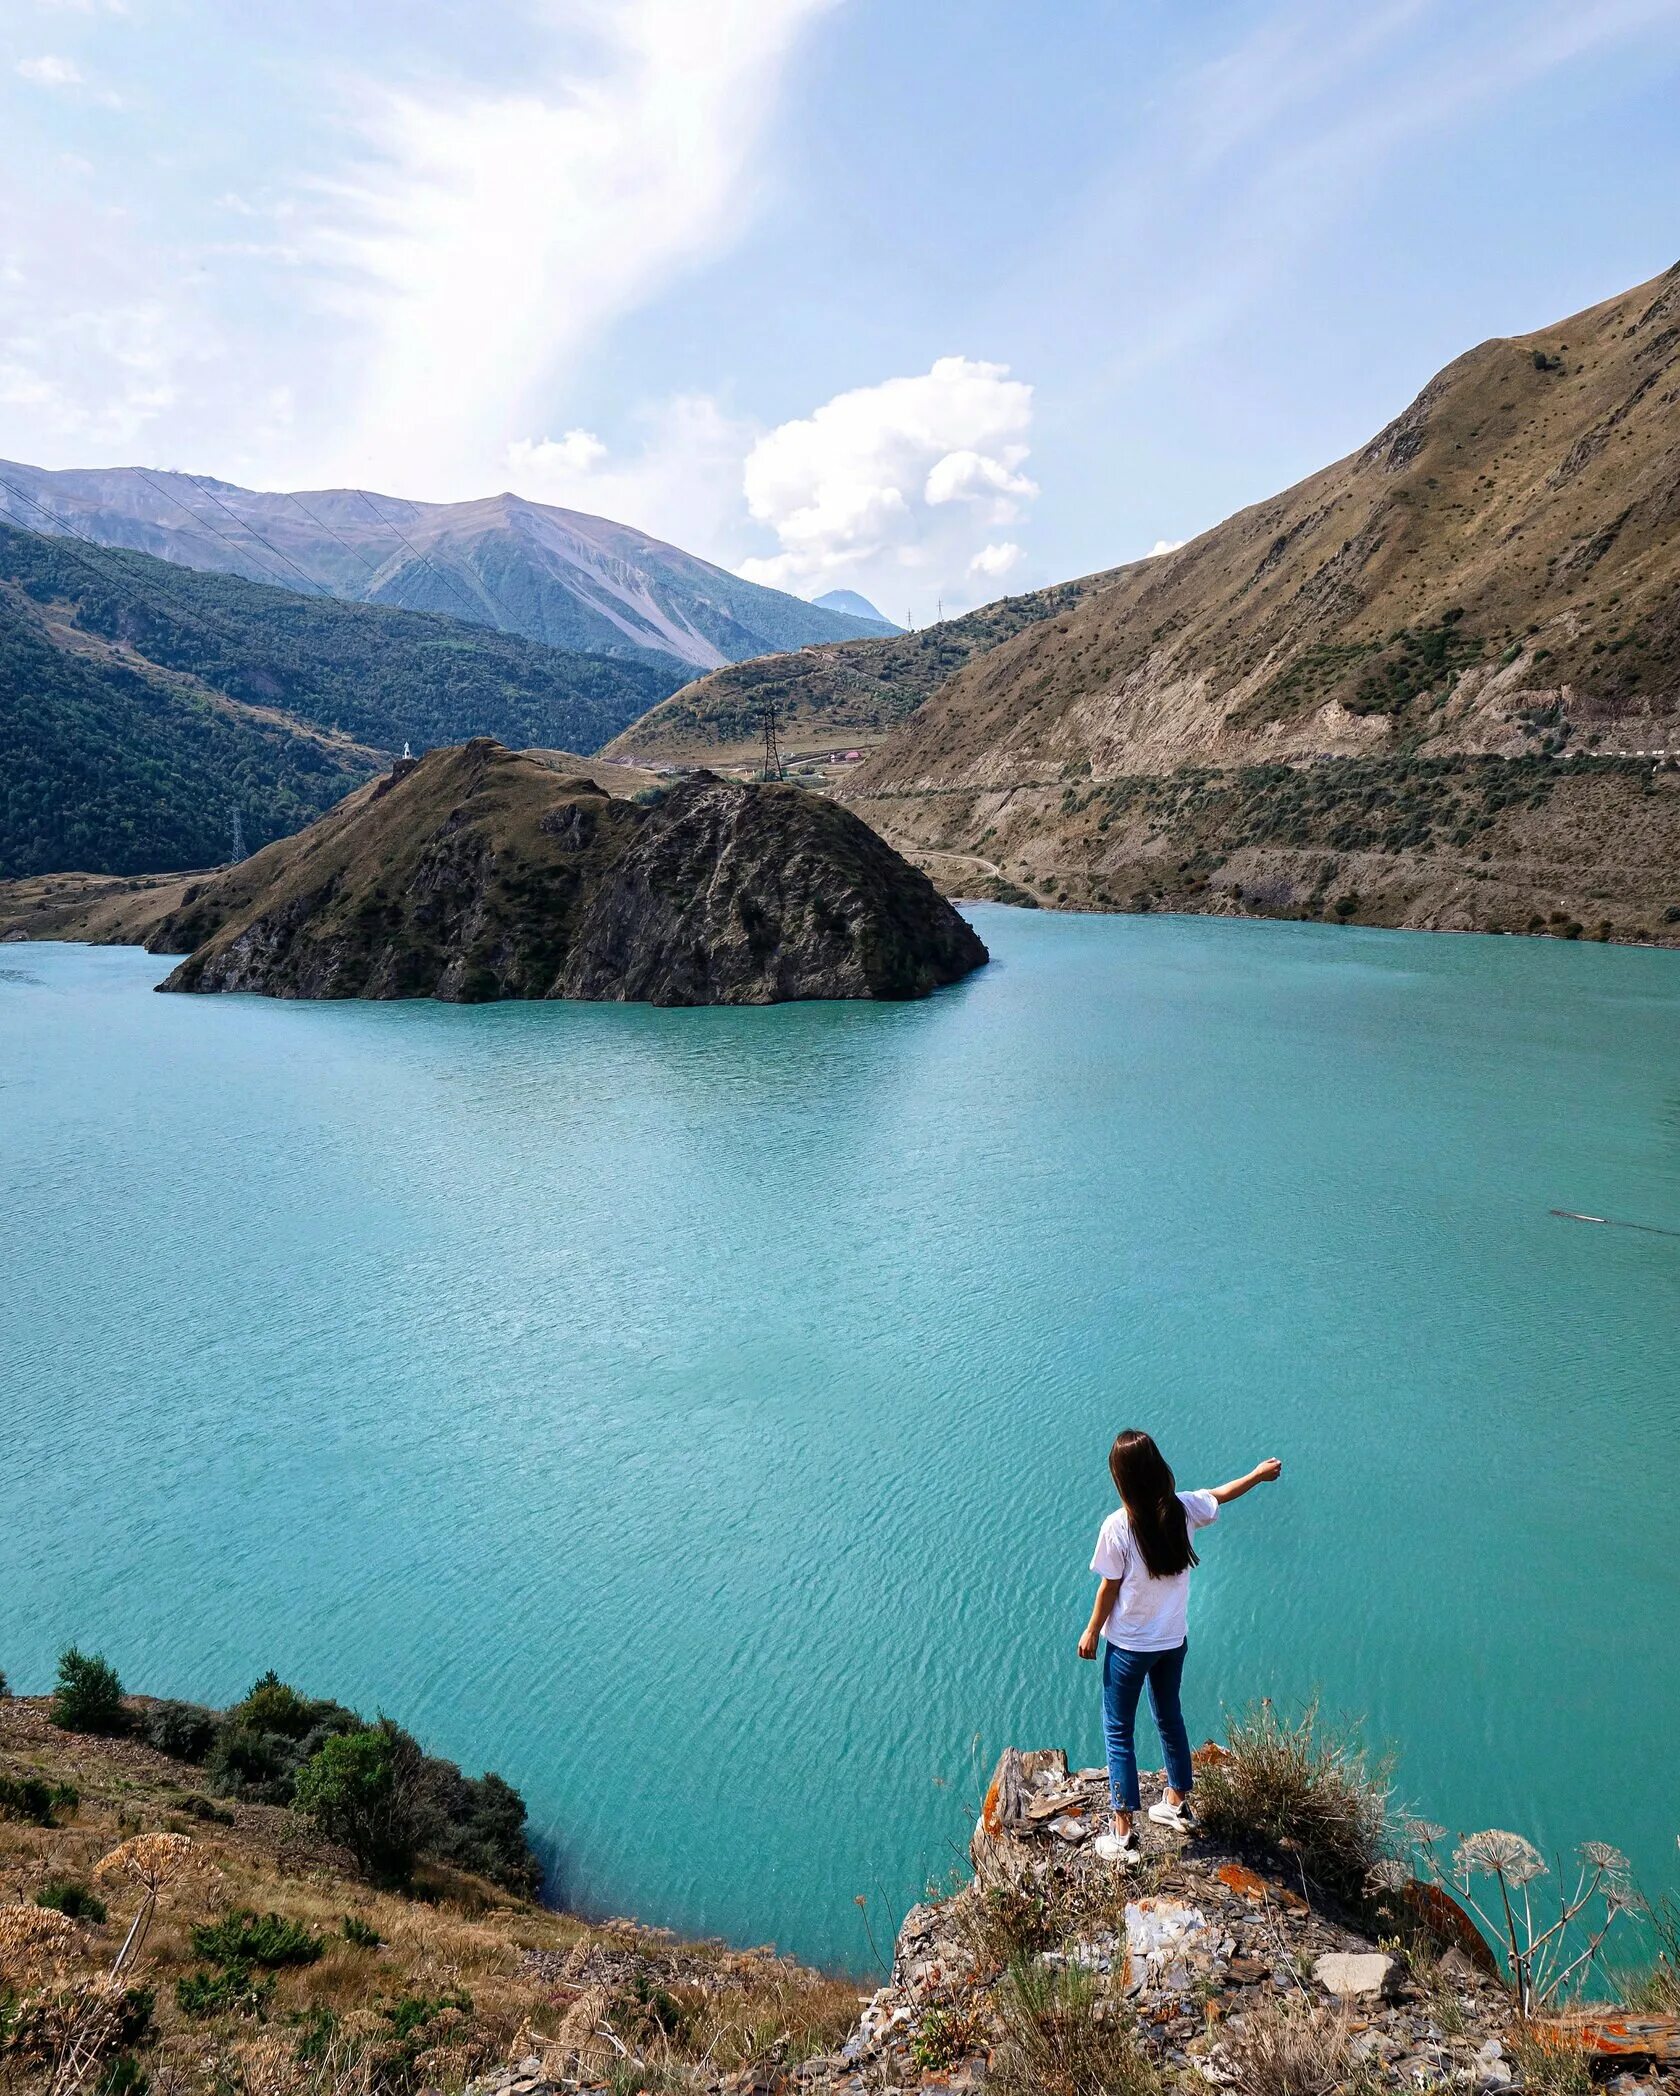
(1150, 1614)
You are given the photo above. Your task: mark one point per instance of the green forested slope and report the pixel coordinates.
(142, 704)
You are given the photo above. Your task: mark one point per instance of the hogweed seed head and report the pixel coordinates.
(31, 1937)
(1504, 1855)
(151, 1860)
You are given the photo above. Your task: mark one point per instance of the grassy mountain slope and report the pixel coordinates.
(554, 575)
(352, 1990)
(860, 688)
(482, 873)
(141, 704)
(1496, 575)
(1508, 548)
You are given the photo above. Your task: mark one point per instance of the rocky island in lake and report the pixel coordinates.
(479, 873)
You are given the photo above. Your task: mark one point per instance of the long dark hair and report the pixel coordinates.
(1149, 1493)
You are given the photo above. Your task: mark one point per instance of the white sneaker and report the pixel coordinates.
(1181, 1818)
(1117, 1848)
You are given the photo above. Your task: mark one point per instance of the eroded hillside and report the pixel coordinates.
(1496, 575)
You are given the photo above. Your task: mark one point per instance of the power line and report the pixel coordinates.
(150, 600)
(205, 524)
(319, 587)
(321, 524)
(475, 610)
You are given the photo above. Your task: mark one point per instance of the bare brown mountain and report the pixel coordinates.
(830, 693)
(1492, 580)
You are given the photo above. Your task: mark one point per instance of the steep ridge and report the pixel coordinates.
(1493, 579)
(822, 694)
(144, 707)
(553, 575)
(481, 873)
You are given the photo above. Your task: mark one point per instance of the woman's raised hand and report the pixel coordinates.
(1268, 1472)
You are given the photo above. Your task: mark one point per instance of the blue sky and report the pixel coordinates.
(934, 299)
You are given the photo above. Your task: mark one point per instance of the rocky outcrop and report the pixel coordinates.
(1187, 1968)
(480, 874)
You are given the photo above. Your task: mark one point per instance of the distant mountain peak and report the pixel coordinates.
(853, 606)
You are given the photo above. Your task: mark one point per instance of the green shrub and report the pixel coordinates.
(247, 1938)
(243, 1763)
(28, 1798)
(184, 1731)
(1304, 1787)
(318, 2029)
(123, 2076)
(88, 1697)
(70, 1897)
(5, 1685)
(273, 1705)
(475, 1823)
(135, 2018)
(232, 1991)
(361, 1933)
(943, 2037)
(361, 1789)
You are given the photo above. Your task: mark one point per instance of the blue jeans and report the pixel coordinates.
(1124, 1674)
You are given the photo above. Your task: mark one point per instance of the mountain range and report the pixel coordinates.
(151, 715)
(552, 575)
(1435, 683)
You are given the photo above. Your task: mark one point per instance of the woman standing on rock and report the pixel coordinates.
(1143, 1561)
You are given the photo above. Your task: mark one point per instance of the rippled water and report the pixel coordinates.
(701, 1416)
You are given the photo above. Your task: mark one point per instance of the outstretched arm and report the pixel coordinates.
(1262, 1474)
(1108, 1592)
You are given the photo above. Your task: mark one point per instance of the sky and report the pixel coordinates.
(936, 300)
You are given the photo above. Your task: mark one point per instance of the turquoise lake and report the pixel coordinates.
(701, 1416)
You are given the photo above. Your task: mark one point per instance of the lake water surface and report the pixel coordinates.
(701, 1416)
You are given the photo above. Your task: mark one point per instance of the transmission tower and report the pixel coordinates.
(772, 754)
(239, 851)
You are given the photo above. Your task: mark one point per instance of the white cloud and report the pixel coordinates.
(487, 237)
(48, 71)
(1164, 546)
(682, 480)
(994, 561)
(578, 451)
(968, 476)
(894, 482)
(452, 249)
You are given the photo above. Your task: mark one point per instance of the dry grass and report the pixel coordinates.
(1549, 2065)
(1305, 1788)
(1290, 2048)
(1655, 1987)
(1064, 2035)
(465, 1975)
